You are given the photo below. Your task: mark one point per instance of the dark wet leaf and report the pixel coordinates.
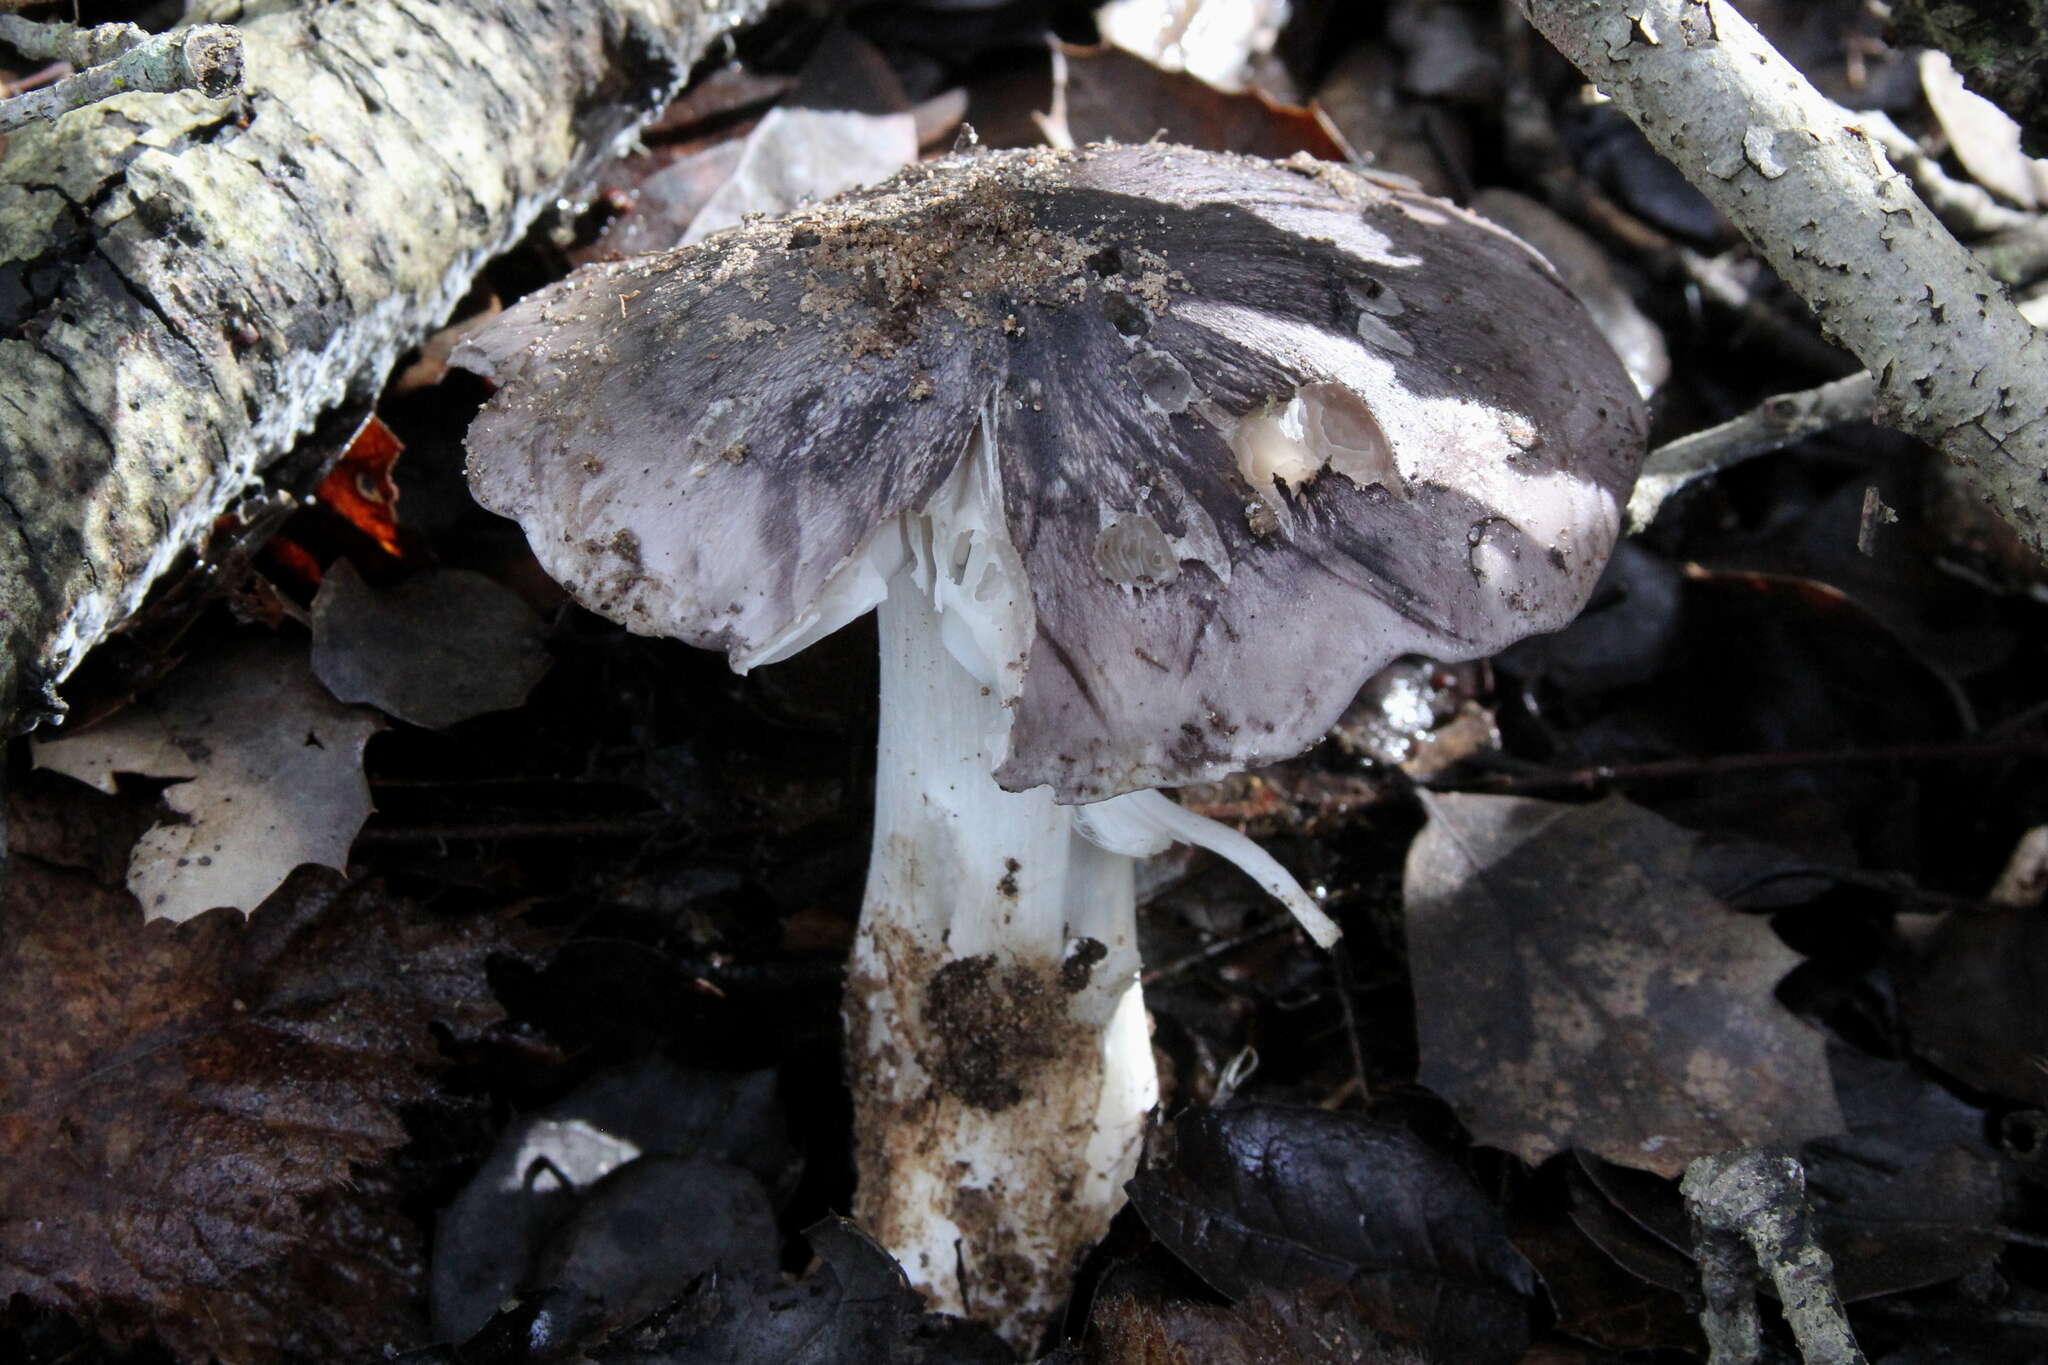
(1576, 987)
(1114, 96)
(534, 1328)
(190, 1113)
(1625, 636)
(437, 648)
(1610, 151)
(1911, 1194)
(1637, 1218)
(1972, 1002)
(1729, 666)
(1269, 1196)
(645, 1232)
(505, 1231)
(1600, 1302)
(854, 1305)
(1307, 1326)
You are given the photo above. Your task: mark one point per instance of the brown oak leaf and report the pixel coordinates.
(191, 1115)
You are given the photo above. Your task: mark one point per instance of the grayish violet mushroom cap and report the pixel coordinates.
(1148, 459)
(1256, 430)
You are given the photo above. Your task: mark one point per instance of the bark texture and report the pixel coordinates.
(186, 283)
(1956, 363)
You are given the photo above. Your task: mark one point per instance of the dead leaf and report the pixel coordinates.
(846, 124)
(1598, 1301)
(1911, 1195)
(360, 489)
(272, 769)
(1298, 1326)
(439, 647)
(664, 203)
(1270, 1196)
(189, 1113)
(489, 1240)
(1972, 1002)
(1222, 42)
(1576, 987)
(1114, 96)
(853, 1305)
(1983, 136)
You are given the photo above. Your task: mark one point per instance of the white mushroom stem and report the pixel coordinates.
(997, 1040)
(1000, 1059)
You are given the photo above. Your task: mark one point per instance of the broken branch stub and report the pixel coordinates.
(1258, 429)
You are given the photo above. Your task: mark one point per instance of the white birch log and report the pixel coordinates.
(187, 283)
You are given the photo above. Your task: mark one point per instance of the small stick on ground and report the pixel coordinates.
(1749, 1211)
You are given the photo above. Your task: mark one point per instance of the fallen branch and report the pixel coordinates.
(1956, 363)
(199, 279)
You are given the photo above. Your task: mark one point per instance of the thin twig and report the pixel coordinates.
(1678, 769)
(1773, 424)
(207, 58)
(488, 831)
(1340, 967)
(1222, 947)
(60, 42)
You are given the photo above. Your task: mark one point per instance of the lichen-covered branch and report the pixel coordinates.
(1956, 363)
(206, 58)
(1750, 1213)
(186, 283)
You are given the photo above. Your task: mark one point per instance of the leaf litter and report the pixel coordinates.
(534, 1206)
(192, 1115)
(1278, 1198)
(268, 773)
(434, 649)
(707, 915)
(1575, 987)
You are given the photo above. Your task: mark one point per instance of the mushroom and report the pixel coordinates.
(1148, 458)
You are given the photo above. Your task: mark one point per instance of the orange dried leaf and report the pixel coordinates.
(359, 489)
